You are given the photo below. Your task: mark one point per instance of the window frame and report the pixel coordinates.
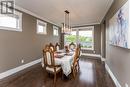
(84, 28)
(19, 26)
(57, 29)
(41, 23)
(92, 29)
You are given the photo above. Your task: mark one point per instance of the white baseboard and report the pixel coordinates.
(112, 76)
(93, 55)
(17, 69)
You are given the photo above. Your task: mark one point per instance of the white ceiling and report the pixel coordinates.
(82, 12)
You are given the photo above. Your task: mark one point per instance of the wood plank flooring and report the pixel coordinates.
(92, 74)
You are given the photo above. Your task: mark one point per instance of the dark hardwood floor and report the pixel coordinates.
(92, 74)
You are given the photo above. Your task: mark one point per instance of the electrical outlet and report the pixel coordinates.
(22, 61)
(126, 85)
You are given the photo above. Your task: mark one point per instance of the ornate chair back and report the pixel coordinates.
(79, 49)
(76, 54)
(75, 63)
(51, 46)
(57, 47)
(72, 45)
(48, 57)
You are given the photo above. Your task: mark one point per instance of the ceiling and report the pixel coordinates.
(82, 12)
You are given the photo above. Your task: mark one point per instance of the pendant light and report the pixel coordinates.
(66, 28)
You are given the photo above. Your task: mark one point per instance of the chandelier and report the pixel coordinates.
(66, 28)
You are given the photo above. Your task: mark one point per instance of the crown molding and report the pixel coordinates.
(108, 6)
(86, 25)
(34, 14)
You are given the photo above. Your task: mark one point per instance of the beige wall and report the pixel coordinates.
(26, 45)
(118, 59)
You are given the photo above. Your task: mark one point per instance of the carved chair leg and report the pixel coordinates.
(55, 80)
(78, 67)
(73, 73)
(62, 75)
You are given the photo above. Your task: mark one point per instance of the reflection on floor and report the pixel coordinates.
(92, 74)
(87, 68)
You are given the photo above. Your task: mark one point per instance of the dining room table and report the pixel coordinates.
(65, 59)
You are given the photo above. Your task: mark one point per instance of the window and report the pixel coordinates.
(55, 31)
(86, 38)
(41, 27)
(11, 21)
(70, 38)
(82, 35)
